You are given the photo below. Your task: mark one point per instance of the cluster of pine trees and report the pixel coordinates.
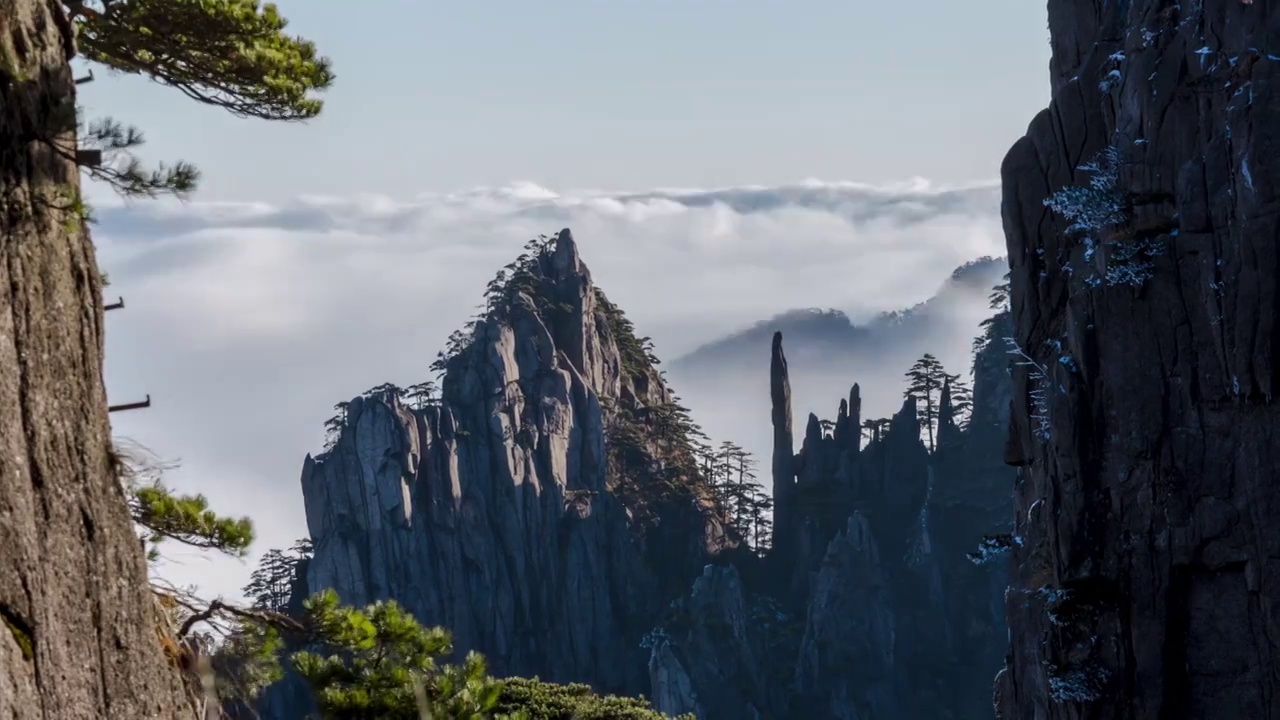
(729, 471)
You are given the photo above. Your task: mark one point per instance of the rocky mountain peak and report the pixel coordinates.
(544, 505)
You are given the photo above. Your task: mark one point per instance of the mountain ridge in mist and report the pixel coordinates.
(819, 331)
(726, 381)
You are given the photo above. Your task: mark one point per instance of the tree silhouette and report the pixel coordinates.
(961, 400)
(828, 427)
(385, 391)
(874, 429)
(270, 585)
(924, 384)
(993, 327)
(421, 394)
(334, 426)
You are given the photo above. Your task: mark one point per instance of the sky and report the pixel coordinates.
(626, 95)
(743, 158)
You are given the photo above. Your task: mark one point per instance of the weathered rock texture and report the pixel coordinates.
(499, 513)
(1147, 582)
(77, 623)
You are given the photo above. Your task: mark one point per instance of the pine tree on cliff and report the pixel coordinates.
(995, 327)
(961, 399)
(231, 54)
(270, 584)
(875, 428)
(924, 383)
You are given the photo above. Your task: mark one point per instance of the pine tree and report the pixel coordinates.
(875, 428)
(385, 390)
(961, 400)
(160, 514)
(382, 663)
(828, 427)
(270, 584)
(334, 426)
(924, 383)
(231, 54)
(421, 394)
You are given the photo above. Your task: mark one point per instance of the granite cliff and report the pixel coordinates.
(547, 505)
(77, 620)
(544, 506)
(1139, 213)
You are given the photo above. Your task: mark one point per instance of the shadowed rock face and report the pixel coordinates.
(1146, 584)
(78, 625)
(867, 606)
(498, 513)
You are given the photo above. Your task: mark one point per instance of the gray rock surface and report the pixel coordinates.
(498, 513)
(1146, 584)
(847, 654)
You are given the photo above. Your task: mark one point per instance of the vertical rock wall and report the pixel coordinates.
(1145, 301)
(77, 623)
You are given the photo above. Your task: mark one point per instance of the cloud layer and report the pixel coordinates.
(246, 322)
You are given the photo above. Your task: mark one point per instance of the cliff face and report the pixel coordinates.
(497, 510)
(868, 605)
(1145, 299)
(77, 623)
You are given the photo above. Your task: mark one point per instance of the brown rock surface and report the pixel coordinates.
(77, 626)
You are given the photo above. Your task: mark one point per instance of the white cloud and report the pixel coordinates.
(246, 322)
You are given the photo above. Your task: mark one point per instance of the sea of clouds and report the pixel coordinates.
(245, 322)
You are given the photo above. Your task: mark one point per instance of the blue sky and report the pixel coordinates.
(623, 95)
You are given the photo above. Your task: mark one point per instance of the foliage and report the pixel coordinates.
(729, 471)
(1039, 393)
(161, 514)
(188, 520)
(961, 396)
(125, 172)
(636, 354)
(382, 663)
(231, 54)
(875, 428)
(573, 701)
(996, 326)
(422, 394)
(271, 583)
(992, 547)
(1082, 684)
(521, 276)
(1098, 206)
(248, 661)
(924, 384)
(1102, 214)
(334, 426)
(927, 381)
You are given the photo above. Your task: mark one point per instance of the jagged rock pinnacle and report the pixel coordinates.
(784, 476)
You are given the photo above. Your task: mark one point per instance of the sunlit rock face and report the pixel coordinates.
(496, 511)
